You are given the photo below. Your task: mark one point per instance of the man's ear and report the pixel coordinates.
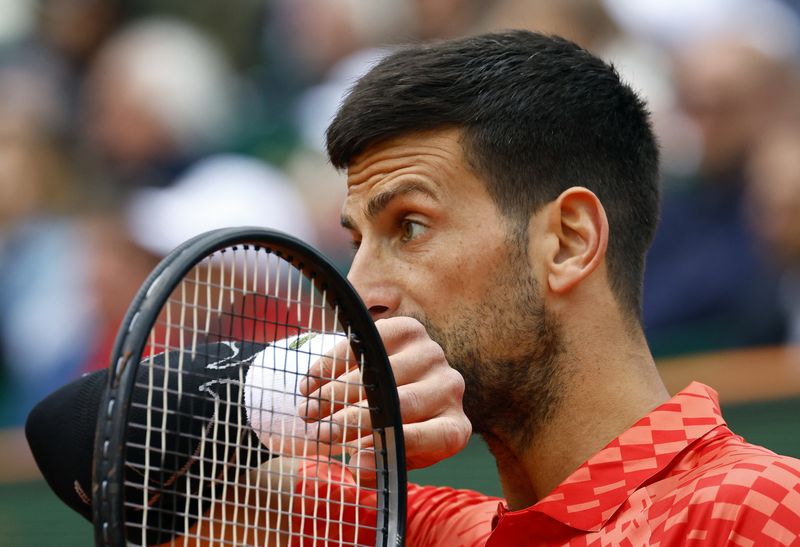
(578, 235)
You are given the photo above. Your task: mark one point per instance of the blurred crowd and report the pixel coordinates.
(127, 126)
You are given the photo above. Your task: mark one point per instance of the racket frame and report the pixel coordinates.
(377, 378)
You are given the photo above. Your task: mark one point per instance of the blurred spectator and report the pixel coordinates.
(732, 92)
(585, 22)
(159, 104)
(639, 61)
(63, 38)
(707, 277)
(774, 192)
(45, 315)
(767, 25)
(76, 28)
(160, 95)
(218, 191)
(317, 34)
(445, 19)
(45, 322)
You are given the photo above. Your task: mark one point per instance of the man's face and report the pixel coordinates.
(431, 244)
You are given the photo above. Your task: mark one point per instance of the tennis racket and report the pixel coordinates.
(205, 434)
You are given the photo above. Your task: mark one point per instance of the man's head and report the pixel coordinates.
(733, 93)
(538, 115)
(479, 176)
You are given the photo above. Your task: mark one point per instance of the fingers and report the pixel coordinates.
(434, 440)
(429, 390)
(334, 363)
(349, 424)
(432, 396)
(420, 364)
(426, 443)
(362, 463)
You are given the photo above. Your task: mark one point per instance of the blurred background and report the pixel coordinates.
(126, 126)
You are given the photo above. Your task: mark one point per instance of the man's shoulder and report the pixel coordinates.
(739, 463)
(739, 492)
(764, 473)
(746, 490)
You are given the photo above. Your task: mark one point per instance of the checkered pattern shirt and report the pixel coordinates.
(678, 476)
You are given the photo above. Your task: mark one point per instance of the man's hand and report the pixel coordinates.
(430, 391)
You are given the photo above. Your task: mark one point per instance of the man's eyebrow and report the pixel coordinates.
(379, 202)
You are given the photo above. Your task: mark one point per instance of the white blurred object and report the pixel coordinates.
(180, 75)
(768, 25)
(271, 395)
(16, 19)
(217, 192)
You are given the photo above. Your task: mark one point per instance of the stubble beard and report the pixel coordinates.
(507, 348)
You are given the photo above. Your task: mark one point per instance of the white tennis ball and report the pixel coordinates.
(272, 395)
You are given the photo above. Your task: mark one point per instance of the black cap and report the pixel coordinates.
(61, 433)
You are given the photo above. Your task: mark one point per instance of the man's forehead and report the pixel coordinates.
(439, 148)
(423, 171)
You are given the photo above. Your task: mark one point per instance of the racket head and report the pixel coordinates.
(240, 299)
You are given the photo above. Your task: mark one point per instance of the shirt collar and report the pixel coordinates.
(597, 489)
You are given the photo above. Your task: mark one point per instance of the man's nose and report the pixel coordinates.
(373, 278)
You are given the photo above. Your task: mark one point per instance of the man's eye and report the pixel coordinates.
(411, 229)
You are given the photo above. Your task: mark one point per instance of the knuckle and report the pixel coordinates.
(409, 402)
(413, 438)
(430, 355)
(455, 433)
(400, 327)
(451, 383)
(432, 350)
(414, 326)
(456, 382)
(326, 394)
(354, 418)
(407, 323)
(325, 367)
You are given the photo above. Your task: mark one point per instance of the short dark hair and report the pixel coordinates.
(538, 114)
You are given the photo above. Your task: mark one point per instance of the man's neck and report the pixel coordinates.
(605, 392)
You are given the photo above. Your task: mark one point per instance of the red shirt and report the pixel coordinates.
(678, 476)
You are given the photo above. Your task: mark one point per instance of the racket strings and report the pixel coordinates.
(222, 375)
